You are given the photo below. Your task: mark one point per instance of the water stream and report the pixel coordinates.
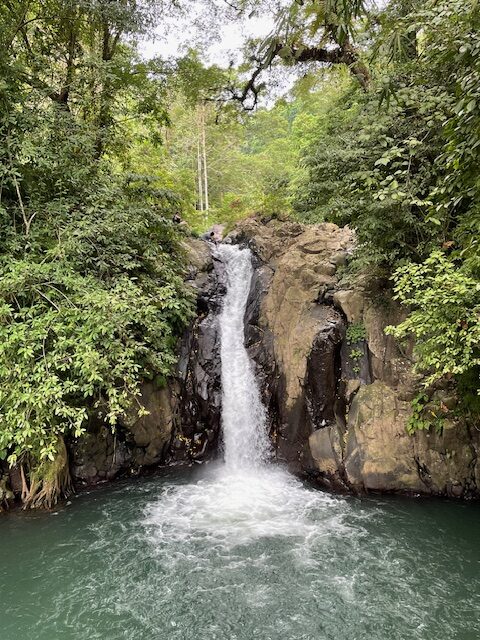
(243, 415)
(240, 550)
(244, 498)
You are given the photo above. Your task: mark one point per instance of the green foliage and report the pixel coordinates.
(376, 174)
(424, 415)
(467, 387)
(355, 333)
(253, 160)
(399, 164)
(92, 297)
(456, 198)
(444, 318)
(84, 321)
(356, 354)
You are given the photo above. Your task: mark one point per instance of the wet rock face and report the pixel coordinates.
(323, 369)
(293, 332)
(199, 368)
(316, 403)
(259, 341)
(98, 456)
(139, 442)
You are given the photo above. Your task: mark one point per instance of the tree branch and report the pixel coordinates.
(345, 54)
(251, 87)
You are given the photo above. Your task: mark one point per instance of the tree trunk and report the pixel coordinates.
(199, 170)
(204, 157)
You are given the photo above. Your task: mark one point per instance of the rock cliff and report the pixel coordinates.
(338, 389)
(181, 422)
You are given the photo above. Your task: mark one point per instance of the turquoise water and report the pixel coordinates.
(201, 555)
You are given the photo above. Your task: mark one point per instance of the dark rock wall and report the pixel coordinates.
(199, 371)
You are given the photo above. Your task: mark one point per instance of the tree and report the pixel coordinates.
(308, 31)
(91, 290)
(400, 166)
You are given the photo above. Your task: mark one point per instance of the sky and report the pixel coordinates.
(224, 43)
(226, 38)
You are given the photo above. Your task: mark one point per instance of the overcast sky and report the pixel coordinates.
(226, 39)
(224, 43)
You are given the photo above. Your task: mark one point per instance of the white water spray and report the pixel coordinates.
(243, 414)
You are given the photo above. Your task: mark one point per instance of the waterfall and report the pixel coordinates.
(243, 414)
(242, 499)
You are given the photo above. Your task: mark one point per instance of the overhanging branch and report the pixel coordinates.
(346, 54)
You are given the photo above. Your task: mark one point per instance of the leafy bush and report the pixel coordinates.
(444, 318)
(399, 164)
(355, 333)
(81, 327)
(372, 170)
(424, 415)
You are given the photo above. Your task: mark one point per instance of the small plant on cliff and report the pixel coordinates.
(355, 333)
(356, 354)
(417, 422)
(424, 415)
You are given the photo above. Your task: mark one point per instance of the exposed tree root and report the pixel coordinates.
(49, 482)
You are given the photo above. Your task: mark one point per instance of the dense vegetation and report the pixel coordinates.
(91, 289)
(400, 164)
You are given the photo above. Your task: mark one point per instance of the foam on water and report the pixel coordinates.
(233, 508)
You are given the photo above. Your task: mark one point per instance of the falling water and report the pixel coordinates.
(243, 414)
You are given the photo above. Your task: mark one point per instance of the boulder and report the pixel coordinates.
(99, 455)
(150, 423)
(199, 255)
(326, 450)
(389, 361)
(447, 460)
(351, 302)
(379, 454)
